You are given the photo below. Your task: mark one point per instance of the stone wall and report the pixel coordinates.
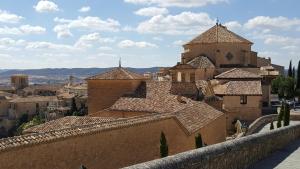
(235, 154)
(259, 123)
(108, 148)
(104, 93)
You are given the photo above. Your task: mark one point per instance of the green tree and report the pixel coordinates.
(290, 71)
(286, 117)
(271, 125)
(198, 141)
(294, 73)
(280, 116)
(298, 76)
(164, 150)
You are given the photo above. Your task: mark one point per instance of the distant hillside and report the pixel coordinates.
(59, 72)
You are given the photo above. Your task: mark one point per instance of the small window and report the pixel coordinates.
(178, 76)
(243, 99)
(192, 77)
(229, 56)
(183, 77)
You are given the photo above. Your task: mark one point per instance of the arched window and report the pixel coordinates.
(229, 56)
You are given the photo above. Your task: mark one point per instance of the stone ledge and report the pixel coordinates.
(234, 154)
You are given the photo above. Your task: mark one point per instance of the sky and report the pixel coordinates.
(143, 33)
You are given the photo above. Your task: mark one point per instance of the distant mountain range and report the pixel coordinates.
(80, 72)
(60, 75)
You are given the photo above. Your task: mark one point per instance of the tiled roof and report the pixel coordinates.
(201, 62)
(118, 73)
(244, 88)
(237, 73)
(252, 87)
(53, 87)
(67, 123)
(219, 33)
(43, 137)
(158, 99)
(34, 99)
(205, 87)
(197, 116)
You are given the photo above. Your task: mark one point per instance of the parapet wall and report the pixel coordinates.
(259, 123)
(235, 154)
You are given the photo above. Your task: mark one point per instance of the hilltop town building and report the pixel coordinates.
(19, 81)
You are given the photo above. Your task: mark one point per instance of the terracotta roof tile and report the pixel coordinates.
(243, 88)
(237, 73)
(34, 99)
(201, 62)
(220, 34)
(67, 123)
(118, 73)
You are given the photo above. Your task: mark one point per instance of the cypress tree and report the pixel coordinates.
(164, 150)
(280, 116)
(294, 73)
(198, 141)
(271, 125)
(290, 71)
(286, 118)
(298, 76)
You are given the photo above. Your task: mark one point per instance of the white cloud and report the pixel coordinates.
(28, 29)
(84, 9)
(85, 23)
(46, 6)
(178, 43)
(62, 20)
(105, 48)
(22, 30)
(87, 41)
(183, 23)
(141, 44)
(62, 31)
(41, 45)
(176, 3)
(151, 11)
(7, 17)
(95, 23)
(233, 25)
(281, 40)
(266, 22)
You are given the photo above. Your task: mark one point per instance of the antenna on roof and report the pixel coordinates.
(120, 64)
(217, 21)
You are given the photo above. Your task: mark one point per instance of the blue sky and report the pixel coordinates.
(144, 33)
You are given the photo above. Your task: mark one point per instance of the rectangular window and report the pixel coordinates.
(192, 77)
(243, 99)
(173, 77)
(183, 77)
(178, 76)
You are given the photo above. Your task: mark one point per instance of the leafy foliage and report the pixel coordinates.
(280, 116)
(286, 117)
(284, 87)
